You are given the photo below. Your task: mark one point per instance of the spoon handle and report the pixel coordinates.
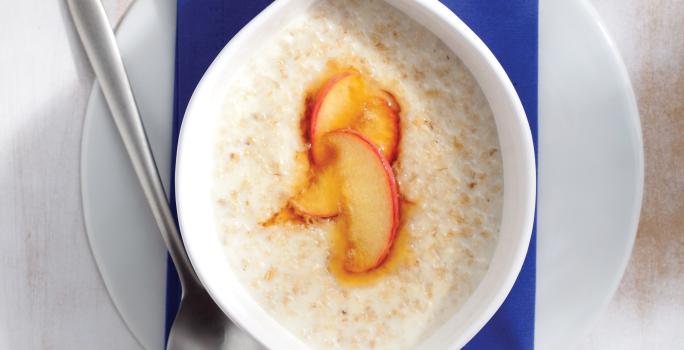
(100, 46)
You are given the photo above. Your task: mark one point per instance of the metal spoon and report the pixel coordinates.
(199, 323)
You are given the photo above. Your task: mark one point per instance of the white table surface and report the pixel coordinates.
(52, 297)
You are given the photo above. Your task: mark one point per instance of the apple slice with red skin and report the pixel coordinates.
(321, 199)
(336, 105)
(380, 124)
(348, 100)
(369, 198)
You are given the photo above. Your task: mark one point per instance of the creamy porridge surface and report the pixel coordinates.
(449, 165)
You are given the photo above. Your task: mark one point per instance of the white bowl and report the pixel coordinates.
(195, 169)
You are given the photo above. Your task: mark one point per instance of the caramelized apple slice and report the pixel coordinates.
(321, 199)
(348, 100)
(369, 198)
(337, 105)
(380, 124)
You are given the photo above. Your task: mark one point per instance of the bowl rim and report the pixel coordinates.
(445, 21)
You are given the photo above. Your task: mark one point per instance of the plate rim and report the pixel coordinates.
(83, 180)
(86, 210)
(639, 163)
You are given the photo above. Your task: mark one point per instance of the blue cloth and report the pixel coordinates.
(508, 27)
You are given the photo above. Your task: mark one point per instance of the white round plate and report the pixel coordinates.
(590, 173)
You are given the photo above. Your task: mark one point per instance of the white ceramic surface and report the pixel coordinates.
(591, 172)
(134, 275)
(196, 163)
